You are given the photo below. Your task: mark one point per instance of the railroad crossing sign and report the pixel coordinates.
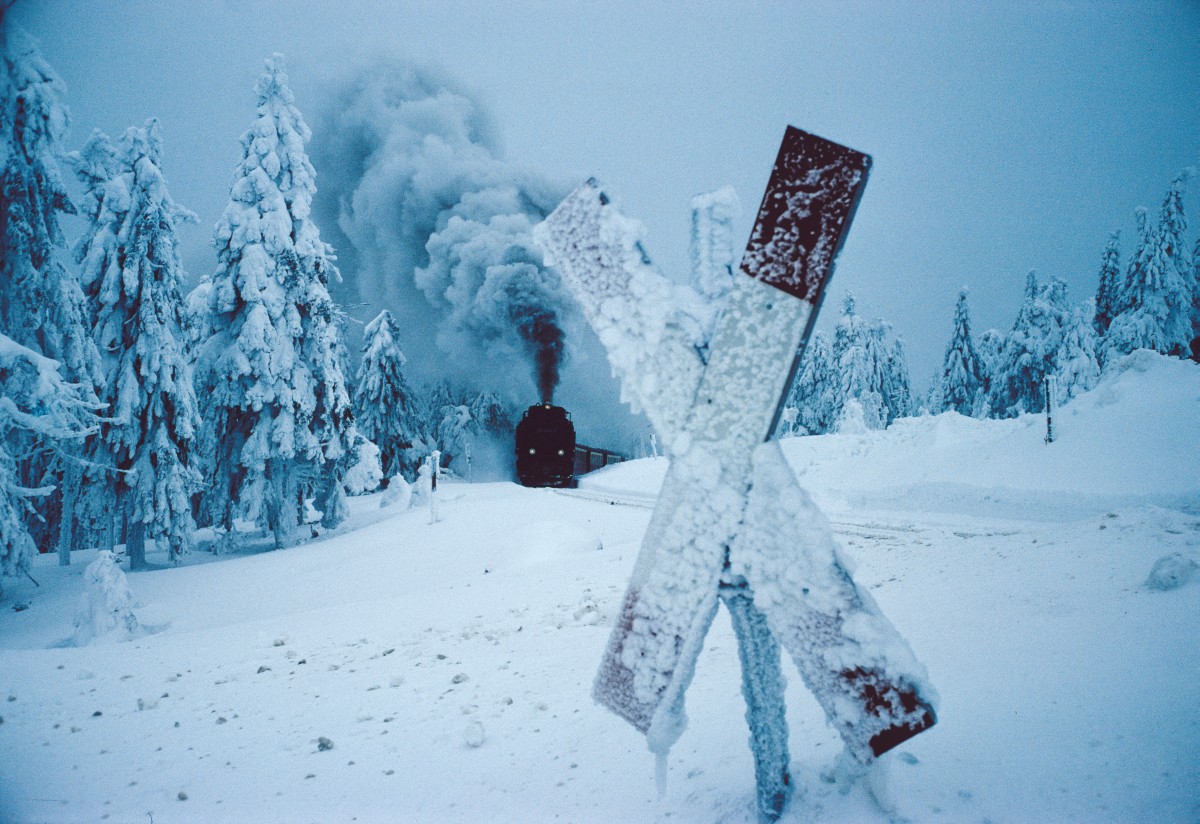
(731, 522)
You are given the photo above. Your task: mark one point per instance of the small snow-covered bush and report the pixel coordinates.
(365, 473)
(422, 487)
(853, 420)
(399, 493)
(106, 605)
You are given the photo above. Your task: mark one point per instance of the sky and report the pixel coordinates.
(1006, 136)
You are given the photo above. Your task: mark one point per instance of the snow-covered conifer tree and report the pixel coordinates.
(1196, 302)
(383, 401)
(1031, 349)
(896, 387)
(431, 413)
(1153, 309)
(334, 423)
(1076, 368)
(492, 415)
(456, 433)
(35, 402)
(95, 165)
(41, 304)
(871, 368)
(277, 409)
(961, 380)
(856, 360)
(814, 392)
(132, 268)
(1110, 283)
(989, 346)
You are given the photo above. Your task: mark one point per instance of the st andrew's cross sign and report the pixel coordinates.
(731, 522)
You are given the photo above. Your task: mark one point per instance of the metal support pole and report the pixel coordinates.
(762, 687)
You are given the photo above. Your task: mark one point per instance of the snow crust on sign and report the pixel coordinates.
(712, 251)
(651, 328)
(672, 594)
(810, 198)
(786, 552)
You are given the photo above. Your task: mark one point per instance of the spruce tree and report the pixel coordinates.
(961, 380)
(334, 423)
(871, 368)
(814, 392)
(1153, 309)
(1110, 282)
(95, 165)
(989, 347)
(383, 400)
(1196, 302)
(493, 415)
(896, 386)
(855, 359)
(41, 304)
(35, 403)
(1048, 338)
(277, 410)
(456, 434)
(1076, 366)
(132, 267)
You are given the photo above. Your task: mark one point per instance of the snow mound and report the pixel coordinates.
(1116, 446)
(1171, 572)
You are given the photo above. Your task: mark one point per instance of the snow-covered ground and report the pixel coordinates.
(406, 671)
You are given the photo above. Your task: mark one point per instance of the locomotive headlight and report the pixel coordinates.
(561, 452)
(532, 451)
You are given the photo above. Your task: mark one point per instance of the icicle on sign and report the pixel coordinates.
(731, 521)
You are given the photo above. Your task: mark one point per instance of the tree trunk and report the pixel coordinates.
(766, 712)
(135, 544)
(66, 527)
(281, 518)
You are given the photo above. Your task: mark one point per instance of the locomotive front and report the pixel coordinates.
(546, 447)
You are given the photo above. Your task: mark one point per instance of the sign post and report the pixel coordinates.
(731, 522)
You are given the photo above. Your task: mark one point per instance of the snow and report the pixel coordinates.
(1016, 570)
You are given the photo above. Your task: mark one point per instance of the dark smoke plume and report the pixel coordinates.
(439, 230)
(545, 339)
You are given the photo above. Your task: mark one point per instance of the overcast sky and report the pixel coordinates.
(1006, 136)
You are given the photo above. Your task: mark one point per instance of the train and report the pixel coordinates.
(545, 447)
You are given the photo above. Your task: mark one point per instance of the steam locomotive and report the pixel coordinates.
(546, 447)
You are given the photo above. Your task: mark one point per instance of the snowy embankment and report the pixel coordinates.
(407, 671)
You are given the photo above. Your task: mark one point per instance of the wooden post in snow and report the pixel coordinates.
(435, 466)
(1049, 379)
